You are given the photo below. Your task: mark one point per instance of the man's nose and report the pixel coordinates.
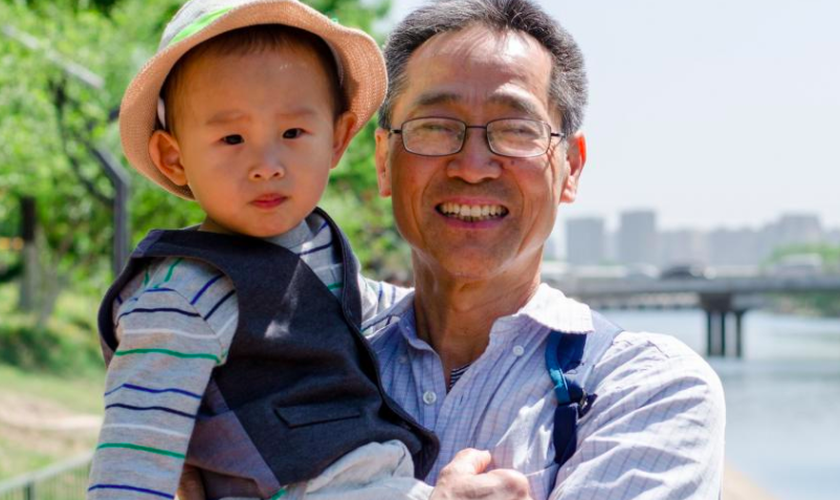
(475, 162)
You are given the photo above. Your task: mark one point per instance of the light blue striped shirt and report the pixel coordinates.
(654, 432)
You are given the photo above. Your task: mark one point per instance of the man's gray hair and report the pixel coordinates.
(568, 89)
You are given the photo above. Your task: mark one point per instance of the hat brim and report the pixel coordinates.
(361, 65)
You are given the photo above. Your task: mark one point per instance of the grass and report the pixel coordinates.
(67, 344)
(47, 375)
(75, 394)
(30, 396)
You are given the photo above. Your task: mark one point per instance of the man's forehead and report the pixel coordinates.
(479, 65)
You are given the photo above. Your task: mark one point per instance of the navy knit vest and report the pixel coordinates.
(300, 387)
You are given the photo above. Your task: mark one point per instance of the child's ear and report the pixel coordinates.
(342, 133)
(166, 155)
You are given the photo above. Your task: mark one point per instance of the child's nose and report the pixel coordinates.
(269, 168)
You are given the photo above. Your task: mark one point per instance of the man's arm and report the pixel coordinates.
(656, 430)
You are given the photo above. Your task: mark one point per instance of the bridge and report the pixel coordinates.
(720, 297)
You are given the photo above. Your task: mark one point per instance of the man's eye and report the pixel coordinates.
(293, 133)
(233, 140)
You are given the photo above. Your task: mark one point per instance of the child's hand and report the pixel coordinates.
(191, 487)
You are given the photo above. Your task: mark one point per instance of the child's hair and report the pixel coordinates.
(254, 39)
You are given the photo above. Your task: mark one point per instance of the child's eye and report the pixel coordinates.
(293, 133)
(233, 140)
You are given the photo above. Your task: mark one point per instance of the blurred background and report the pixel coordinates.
(708, 210)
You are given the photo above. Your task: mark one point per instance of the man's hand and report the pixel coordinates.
(464, 479)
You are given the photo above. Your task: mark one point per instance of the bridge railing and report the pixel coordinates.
(63, 481)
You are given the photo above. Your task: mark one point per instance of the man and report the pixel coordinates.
(479, 143)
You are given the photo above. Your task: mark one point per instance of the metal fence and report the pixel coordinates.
(63, 481)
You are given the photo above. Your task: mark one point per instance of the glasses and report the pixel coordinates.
(513, 137)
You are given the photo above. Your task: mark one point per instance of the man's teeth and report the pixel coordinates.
(472, 213)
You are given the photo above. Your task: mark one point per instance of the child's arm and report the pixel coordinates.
(154, 386)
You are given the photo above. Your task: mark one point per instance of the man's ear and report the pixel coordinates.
(342, 134)
(166, 155)
(576, 159)
(383, 169)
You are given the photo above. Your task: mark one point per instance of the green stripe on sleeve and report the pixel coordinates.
(335, 285)
(169, 352)
(171, 269)
(147, 449)
(279, 494)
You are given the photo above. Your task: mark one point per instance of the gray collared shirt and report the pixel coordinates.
(656, 430)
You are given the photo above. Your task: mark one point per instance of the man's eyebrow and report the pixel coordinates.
(435, 98)
(516, 103)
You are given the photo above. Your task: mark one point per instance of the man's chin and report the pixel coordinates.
(464, 264)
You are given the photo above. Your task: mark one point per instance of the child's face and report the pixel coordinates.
(256, 139)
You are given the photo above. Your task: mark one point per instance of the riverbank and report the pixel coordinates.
(737, 486)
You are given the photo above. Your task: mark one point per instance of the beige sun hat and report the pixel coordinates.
(361, 68)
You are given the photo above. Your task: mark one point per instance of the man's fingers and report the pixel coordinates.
(511, 483)
(468, 461)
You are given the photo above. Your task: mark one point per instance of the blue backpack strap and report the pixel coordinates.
(569, 358)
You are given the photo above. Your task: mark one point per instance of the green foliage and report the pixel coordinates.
(64, 345)
(829, 254)
(52, 120)
(823, 304)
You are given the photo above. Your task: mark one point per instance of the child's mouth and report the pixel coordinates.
(269, 201)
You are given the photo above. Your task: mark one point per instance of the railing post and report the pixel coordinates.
(29, 283)
(29, 492)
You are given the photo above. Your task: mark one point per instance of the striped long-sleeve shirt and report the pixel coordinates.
(175, 324)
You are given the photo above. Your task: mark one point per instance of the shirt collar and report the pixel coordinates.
(298, 235)
(548, 307)
(552, 309)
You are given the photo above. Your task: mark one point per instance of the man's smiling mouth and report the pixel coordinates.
(471, 213)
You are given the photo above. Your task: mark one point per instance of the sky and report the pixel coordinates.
(713, 113)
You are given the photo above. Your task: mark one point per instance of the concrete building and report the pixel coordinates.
(637, 238)
(682, 246)
(799, 229)
(736, 247)
(585, 241)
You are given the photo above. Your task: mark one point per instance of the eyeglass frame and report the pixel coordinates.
(551, 135)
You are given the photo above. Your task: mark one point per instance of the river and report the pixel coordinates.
(782, 398)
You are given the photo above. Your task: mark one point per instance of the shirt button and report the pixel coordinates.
(429, 397)
(403, 359)
(518, 350)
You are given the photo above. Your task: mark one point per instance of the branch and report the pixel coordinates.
(60, 98)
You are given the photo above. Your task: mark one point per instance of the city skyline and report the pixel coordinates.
(712, 113)
(639, 239)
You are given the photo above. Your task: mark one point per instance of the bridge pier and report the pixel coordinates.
(718, 308)
(739, 337)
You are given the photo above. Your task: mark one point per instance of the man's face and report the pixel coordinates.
(474, 75)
